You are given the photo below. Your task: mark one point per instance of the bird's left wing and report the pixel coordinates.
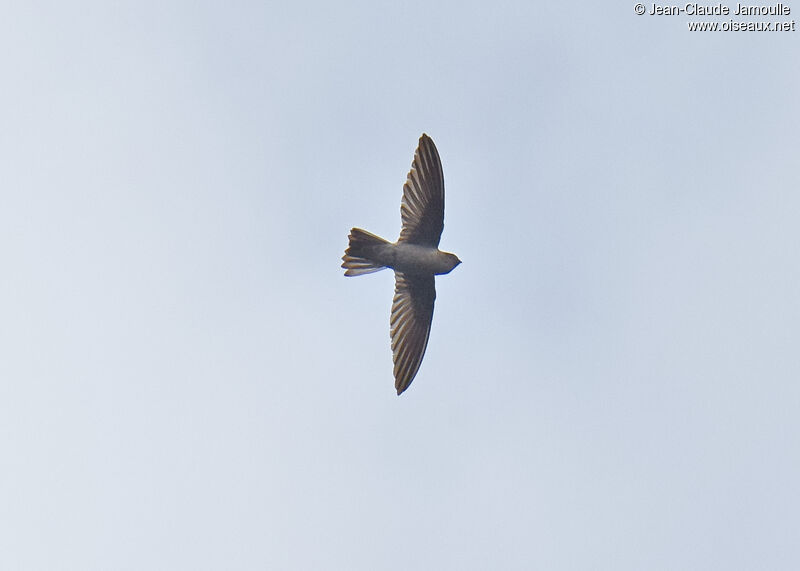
(412, 313)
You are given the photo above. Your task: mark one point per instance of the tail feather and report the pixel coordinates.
(359, 256)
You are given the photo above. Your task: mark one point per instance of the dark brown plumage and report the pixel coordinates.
(415, 258)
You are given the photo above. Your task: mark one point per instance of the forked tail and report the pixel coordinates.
(363, 249)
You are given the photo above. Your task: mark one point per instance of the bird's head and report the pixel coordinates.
(452, 262)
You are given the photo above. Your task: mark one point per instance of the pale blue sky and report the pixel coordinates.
(187, 381)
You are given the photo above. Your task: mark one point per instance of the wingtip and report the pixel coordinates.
(400, 388)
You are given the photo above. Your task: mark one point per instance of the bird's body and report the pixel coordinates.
(408, 258)
(415, 259)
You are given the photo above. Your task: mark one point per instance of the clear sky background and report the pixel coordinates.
(188, 381)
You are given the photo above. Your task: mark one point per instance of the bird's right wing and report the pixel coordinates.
(412, 313)
(422, 208)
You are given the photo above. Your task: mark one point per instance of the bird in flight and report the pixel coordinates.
(415, 259)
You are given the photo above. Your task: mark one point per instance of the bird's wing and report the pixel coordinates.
(422, 208)
(412, 313)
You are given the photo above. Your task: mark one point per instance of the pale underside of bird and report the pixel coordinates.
(415, 259)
